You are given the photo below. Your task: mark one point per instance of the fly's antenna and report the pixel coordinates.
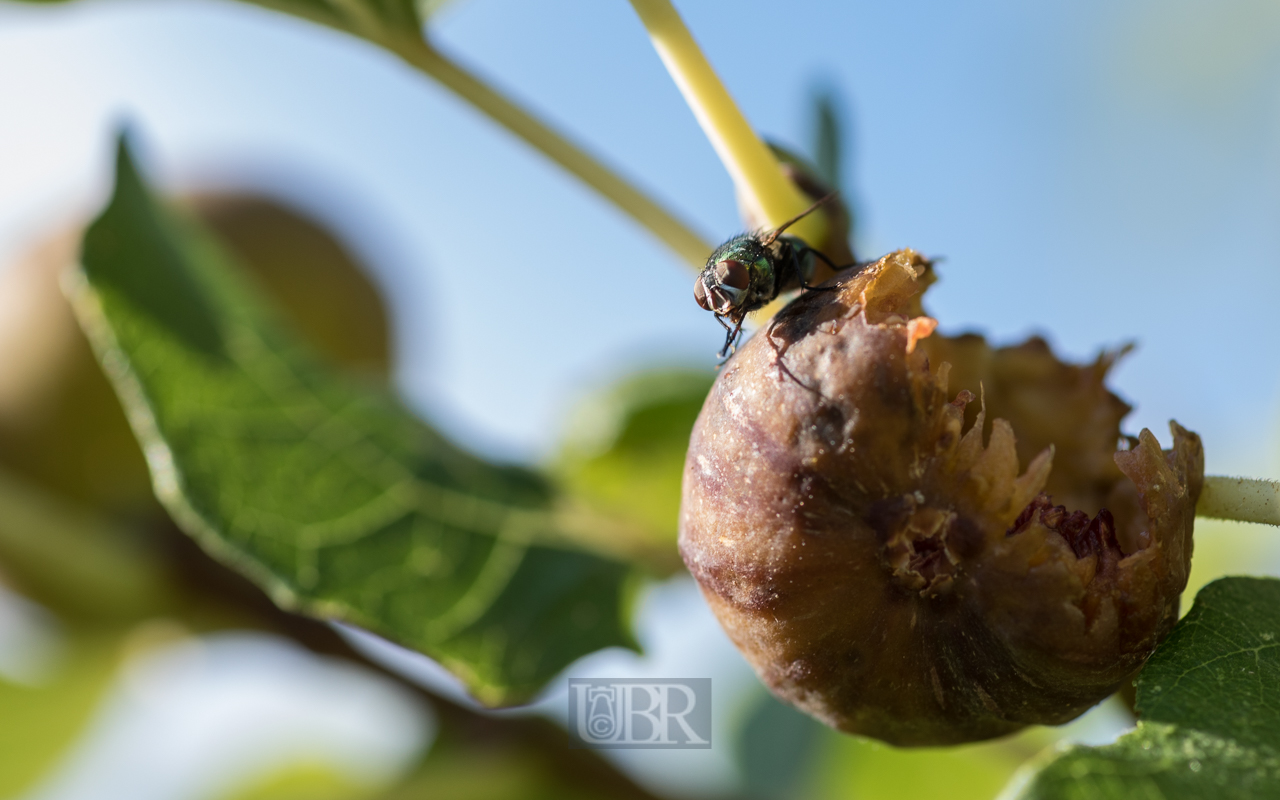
(776, 232)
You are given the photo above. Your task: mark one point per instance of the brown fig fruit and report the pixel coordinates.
(887, 565)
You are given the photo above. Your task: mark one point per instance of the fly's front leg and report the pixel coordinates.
(729, 348)
(728, 338)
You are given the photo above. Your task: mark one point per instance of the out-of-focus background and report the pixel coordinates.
(1097, 172)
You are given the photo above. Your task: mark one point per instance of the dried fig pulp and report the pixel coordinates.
(892, 570)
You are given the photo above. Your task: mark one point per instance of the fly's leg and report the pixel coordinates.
(728, 338)
(731, 337)
(827, 261)
(804, 285)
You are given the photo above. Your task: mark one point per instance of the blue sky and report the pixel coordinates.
(1095, 171)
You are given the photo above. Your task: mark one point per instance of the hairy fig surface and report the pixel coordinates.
(898, 566)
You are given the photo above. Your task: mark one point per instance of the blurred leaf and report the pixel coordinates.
(305, 781)
(827, 145)
(625, 453)
(75, 562)
(376, 20)
(323, 490)
(1207, 703)
(836, 245)
(862, 768)
(386, 22)
(429, 8)
(40, 722)
(831, 142)
(1224, 547)
(776, 748)
(493, 773)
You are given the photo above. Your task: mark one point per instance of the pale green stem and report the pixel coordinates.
(756, 173)
(1240, 499)
(630, 200)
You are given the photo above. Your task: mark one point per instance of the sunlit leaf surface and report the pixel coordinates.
(324, 490)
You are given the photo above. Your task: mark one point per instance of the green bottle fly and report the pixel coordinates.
(751, 269)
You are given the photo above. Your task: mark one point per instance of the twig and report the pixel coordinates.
(1240, 499)
(630, 200)
(756, 173)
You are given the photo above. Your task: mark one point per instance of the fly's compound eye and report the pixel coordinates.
(733, 274)
(700, 293)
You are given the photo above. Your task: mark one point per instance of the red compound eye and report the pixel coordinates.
(700, 293)
(733, 274)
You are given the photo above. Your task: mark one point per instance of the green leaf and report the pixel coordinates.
(303, 780)
(324, 490)
(79, 565)
(624, 457)
(854, 767)
(776, 747)
(43, 721)
(1219, 671)
(1209, 703)
(827, 155)
(390, 23)
(376, 20)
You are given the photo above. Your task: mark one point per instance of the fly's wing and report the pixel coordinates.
(793, 264)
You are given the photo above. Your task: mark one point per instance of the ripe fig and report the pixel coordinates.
(885, 564)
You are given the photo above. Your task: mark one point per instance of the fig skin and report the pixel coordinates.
(884, 569)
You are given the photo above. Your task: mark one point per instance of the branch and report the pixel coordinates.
(1240, 499)
(630, 200)
(755, 170)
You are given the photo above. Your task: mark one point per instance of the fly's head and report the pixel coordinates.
(736, 279)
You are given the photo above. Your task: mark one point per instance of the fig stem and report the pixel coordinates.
(1240, 499)
(755, 171)
(424, 57)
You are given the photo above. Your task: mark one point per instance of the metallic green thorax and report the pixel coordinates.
(747, 249)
